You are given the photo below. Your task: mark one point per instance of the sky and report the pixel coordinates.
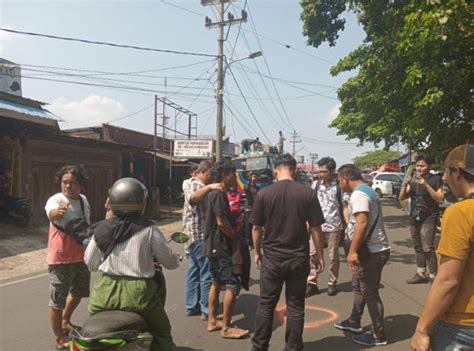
(285, 89)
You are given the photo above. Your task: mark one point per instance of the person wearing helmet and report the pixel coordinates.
(123, 249)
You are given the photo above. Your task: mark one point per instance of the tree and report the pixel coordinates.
(415, 70)
(375, 158)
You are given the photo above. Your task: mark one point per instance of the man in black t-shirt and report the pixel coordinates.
(425, 193)
(221, 245)
(285, 209)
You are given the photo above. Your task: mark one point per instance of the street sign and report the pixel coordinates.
(192, 148)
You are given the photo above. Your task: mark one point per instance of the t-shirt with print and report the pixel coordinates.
(285, 208)
(457, 241)
(62, 248)
(193, 214)
(216, 243)
(365, 199)
(421, 198)
(330, 204)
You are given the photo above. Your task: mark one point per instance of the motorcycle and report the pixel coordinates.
(119, 330)
(16, 210)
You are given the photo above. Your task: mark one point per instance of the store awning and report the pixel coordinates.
(14, 110)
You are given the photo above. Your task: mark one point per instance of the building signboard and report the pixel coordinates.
(193, 148)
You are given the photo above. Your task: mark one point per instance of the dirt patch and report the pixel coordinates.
(23, 250)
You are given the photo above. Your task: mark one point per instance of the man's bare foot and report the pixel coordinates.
(214, 326)
(62, 343)
(234, 333)
(67, 327)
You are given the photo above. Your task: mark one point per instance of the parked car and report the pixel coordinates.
(388, 183)
(368, 178)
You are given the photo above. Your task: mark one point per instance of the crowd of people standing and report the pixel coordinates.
(290, 226)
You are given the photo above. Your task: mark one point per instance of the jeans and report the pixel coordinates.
(366, 285)
(333, 239)
(293, 272)
(198, 280)
(423, 237)
(452, 337)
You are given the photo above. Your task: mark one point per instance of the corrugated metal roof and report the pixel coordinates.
(25, 109)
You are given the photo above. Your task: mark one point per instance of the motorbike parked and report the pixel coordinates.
(16, 210)
(119, 330)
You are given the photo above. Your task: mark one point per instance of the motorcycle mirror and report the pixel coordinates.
(179, 237)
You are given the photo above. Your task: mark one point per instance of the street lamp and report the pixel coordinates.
(220, 98)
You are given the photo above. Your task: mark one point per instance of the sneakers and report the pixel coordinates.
(368, 339)
(193, 313)
(332, 290)
(349, 326)
(311, 290)
(418, 279)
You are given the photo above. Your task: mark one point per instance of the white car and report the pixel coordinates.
(387, 183)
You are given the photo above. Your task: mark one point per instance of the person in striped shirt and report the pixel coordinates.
(124, 250)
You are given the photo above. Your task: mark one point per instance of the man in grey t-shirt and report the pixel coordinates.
(365, 230)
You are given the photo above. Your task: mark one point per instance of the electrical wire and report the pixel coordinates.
(268, 68)
(85, 41)
(133, 73)
(131, 114)
(183, 8)
(248, 106)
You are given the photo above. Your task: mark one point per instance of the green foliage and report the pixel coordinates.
(415, 78)
(375, 158)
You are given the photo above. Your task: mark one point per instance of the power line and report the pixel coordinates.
(131, 114)
(285, 123)
(54, 73)
(249, 133)
(327, 142)
(183, 8)
(248, 106)
(106, 86)
(106, 43)
(133, 73)
(278, 79)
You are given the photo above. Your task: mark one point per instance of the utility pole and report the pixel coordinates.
(314, 157)
(295, 139)
(219, 4)
(165, 118)
(155, 141)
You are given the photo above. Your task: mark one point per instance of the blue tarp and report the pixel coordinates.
(26, 109)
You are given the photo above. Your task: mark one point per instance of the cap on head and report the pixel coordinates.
(461, 157)
(127, 197)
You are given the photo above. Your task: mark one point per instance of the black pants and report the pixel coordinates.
(293, 272)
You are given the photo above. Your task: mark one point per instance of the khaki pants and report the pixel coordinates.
(333, 239)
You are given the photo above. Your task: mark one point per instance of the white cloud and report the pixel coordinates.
(334, 111)
(90, 111)
(4, 38)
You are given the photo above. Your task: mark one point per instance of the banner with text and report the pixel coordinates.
(191, 148)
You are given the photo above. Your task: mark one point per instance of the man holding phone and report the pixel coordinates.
(426, 193)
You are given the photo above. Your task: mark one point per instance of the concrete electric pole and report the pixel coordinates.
(295, 139)
(219, 4)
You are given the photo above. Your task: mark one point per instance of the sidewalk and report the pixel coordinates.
(23, 250)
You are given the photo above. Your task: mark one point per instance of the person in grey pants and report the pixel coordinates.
(368, 253)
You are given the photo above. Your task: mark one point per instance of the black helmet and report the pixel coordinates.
(127, 196)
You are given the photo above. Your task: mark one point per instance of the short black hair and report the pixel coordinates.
(285, 160)
(222, 169)
(469, 177)
(193, 169)
(428, 159)
(350, 171)
(328, 162)
(76, 170)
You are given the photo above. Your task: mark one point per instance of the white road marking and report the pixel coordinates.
(23, 280)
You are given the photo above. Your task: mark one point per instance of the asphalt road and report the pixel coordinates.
(24, 323)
